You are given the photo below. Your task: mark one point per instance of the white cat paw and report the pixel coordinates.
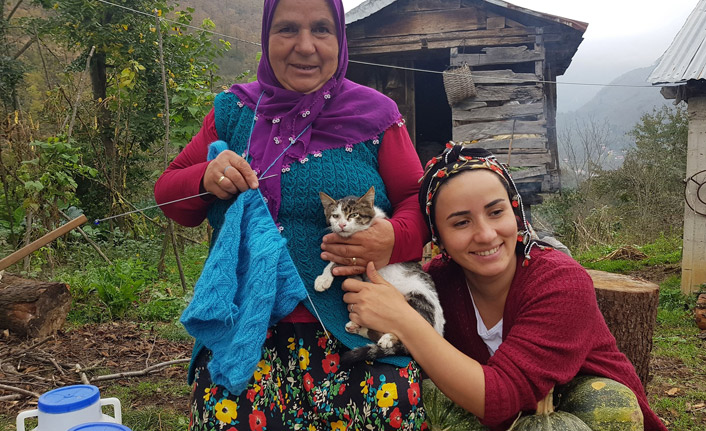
(352, 328)
(323, 282)
(388, 340)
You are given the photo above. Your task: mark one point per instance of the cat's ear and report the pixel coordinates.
(368, 197)
(326, 200)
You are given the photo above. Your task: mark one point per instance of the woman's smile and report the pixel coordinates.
(487, 252)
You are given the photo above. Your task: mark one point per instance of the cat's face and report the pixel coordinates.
(349, 215)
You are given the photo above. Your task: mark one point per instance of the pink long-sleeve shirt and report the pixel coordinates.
(399, 168)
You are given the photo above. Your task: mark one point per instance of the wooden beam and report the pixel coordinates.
(41, 242)
(503, 77)
(503, 93)
(497, 145)
(468, 132)
(422, 42)
(425, 22)
(355, 38)
(527, 174)
(498, 55)
(521, 160)
(498, 112)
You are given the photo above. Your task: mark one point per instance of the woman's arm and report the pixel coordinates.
(554, 324)
(191, 174)
(401, 169)
(378, 305)
(183, 178)
(401, 237)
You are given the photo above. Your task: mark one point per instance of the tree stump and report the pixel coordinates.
(32, 308)
(629, 306)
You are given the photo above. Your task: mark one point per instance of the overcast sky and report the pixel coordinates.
(622, 35)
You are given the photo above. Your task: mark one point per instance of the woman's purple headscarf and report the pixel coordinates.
(341, 112)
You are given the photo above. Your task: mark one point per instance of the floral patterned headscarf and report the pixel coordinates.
(458, 158)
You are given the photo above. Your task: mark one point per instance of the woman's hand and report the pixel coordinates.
(352, 254)
(229, 174)
(376, 304)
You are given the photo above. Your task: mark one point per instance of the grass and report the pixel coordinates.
(663, 251)
(140, 295)
(151, 417)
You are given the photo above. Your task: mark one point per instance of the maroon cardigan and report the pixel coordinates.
(552, 331)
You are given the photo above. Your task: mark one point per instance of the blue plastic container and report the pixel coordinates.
(100, 426)
(63, 408)
(68, 399)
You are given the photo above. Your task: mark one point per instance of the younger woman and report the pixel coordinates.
(521, 318)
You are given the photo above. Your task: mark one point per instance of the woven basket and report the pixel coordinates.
(458, 84)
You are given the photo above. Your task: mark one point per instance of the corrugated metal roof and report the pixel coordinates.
(369, 7)
(685, 58)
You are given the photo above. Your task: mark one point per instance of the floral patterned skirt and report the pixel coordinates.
(299, 384)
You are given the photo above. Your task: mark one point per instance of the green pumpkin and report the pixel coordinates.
(445, 415)
(546, 419)
(603, 404)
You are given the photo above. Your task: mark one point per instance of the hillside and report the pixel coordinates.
(615, 109)
(241, 19)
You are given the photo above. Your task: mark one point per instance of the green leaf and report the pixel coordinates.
(35, 186)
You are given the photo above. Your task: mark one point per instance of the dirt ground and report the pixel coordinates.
(41, 365)
(111, 348)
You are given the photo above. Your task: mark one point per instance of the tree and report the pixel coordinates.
(586, 147)
(636, 202)
(127, 101)
(648, 188)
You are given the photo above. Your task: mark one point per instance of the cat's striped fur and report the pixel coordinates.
(352, 214)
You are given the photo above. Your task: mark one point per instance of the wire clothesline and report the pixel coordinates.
(226, 36)
(508, 79)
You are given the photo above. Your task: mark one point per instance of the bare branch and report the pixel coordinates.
(24, 48)
(143, 372)
(19, 390)
(14, 9)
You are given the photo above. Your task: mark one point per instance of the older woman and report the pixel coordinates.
(300, 129)
(521, 318)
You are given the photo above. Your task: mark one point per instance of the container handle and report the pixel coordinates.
(116, 408)
(24, 415)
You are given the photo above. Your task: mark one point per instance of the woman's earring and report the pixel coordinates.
(445, 255)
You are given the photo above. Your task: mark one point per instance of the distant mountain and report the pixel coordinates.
(615, 109)
(623, 106)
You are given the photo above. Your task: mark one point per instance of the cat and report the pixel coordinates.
(353, 214)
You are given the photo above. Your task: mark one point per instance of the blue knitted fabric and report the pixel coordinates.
(338, 172)
(248, 283)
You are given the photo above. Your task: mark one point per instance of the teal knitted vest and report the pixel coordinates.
(339, 172)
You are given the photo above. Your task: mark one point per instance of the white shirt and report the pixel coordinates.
(492, 337)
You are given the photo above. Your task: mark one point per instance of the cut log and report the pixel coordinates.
(31, 308)
(629, 306)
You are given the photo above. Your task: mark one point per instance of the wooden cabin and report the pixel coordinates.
(514, 55)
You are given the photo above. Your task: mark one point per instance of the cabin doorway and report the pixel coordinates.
(433, 125)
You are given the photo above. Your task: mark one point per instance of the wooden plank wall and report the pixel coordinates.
(508, 115)
(514, 111)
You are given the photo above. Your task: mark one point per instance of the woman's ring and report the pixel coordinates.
(350, 308)
(354, 261)
(221, 179)
(226, 169)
